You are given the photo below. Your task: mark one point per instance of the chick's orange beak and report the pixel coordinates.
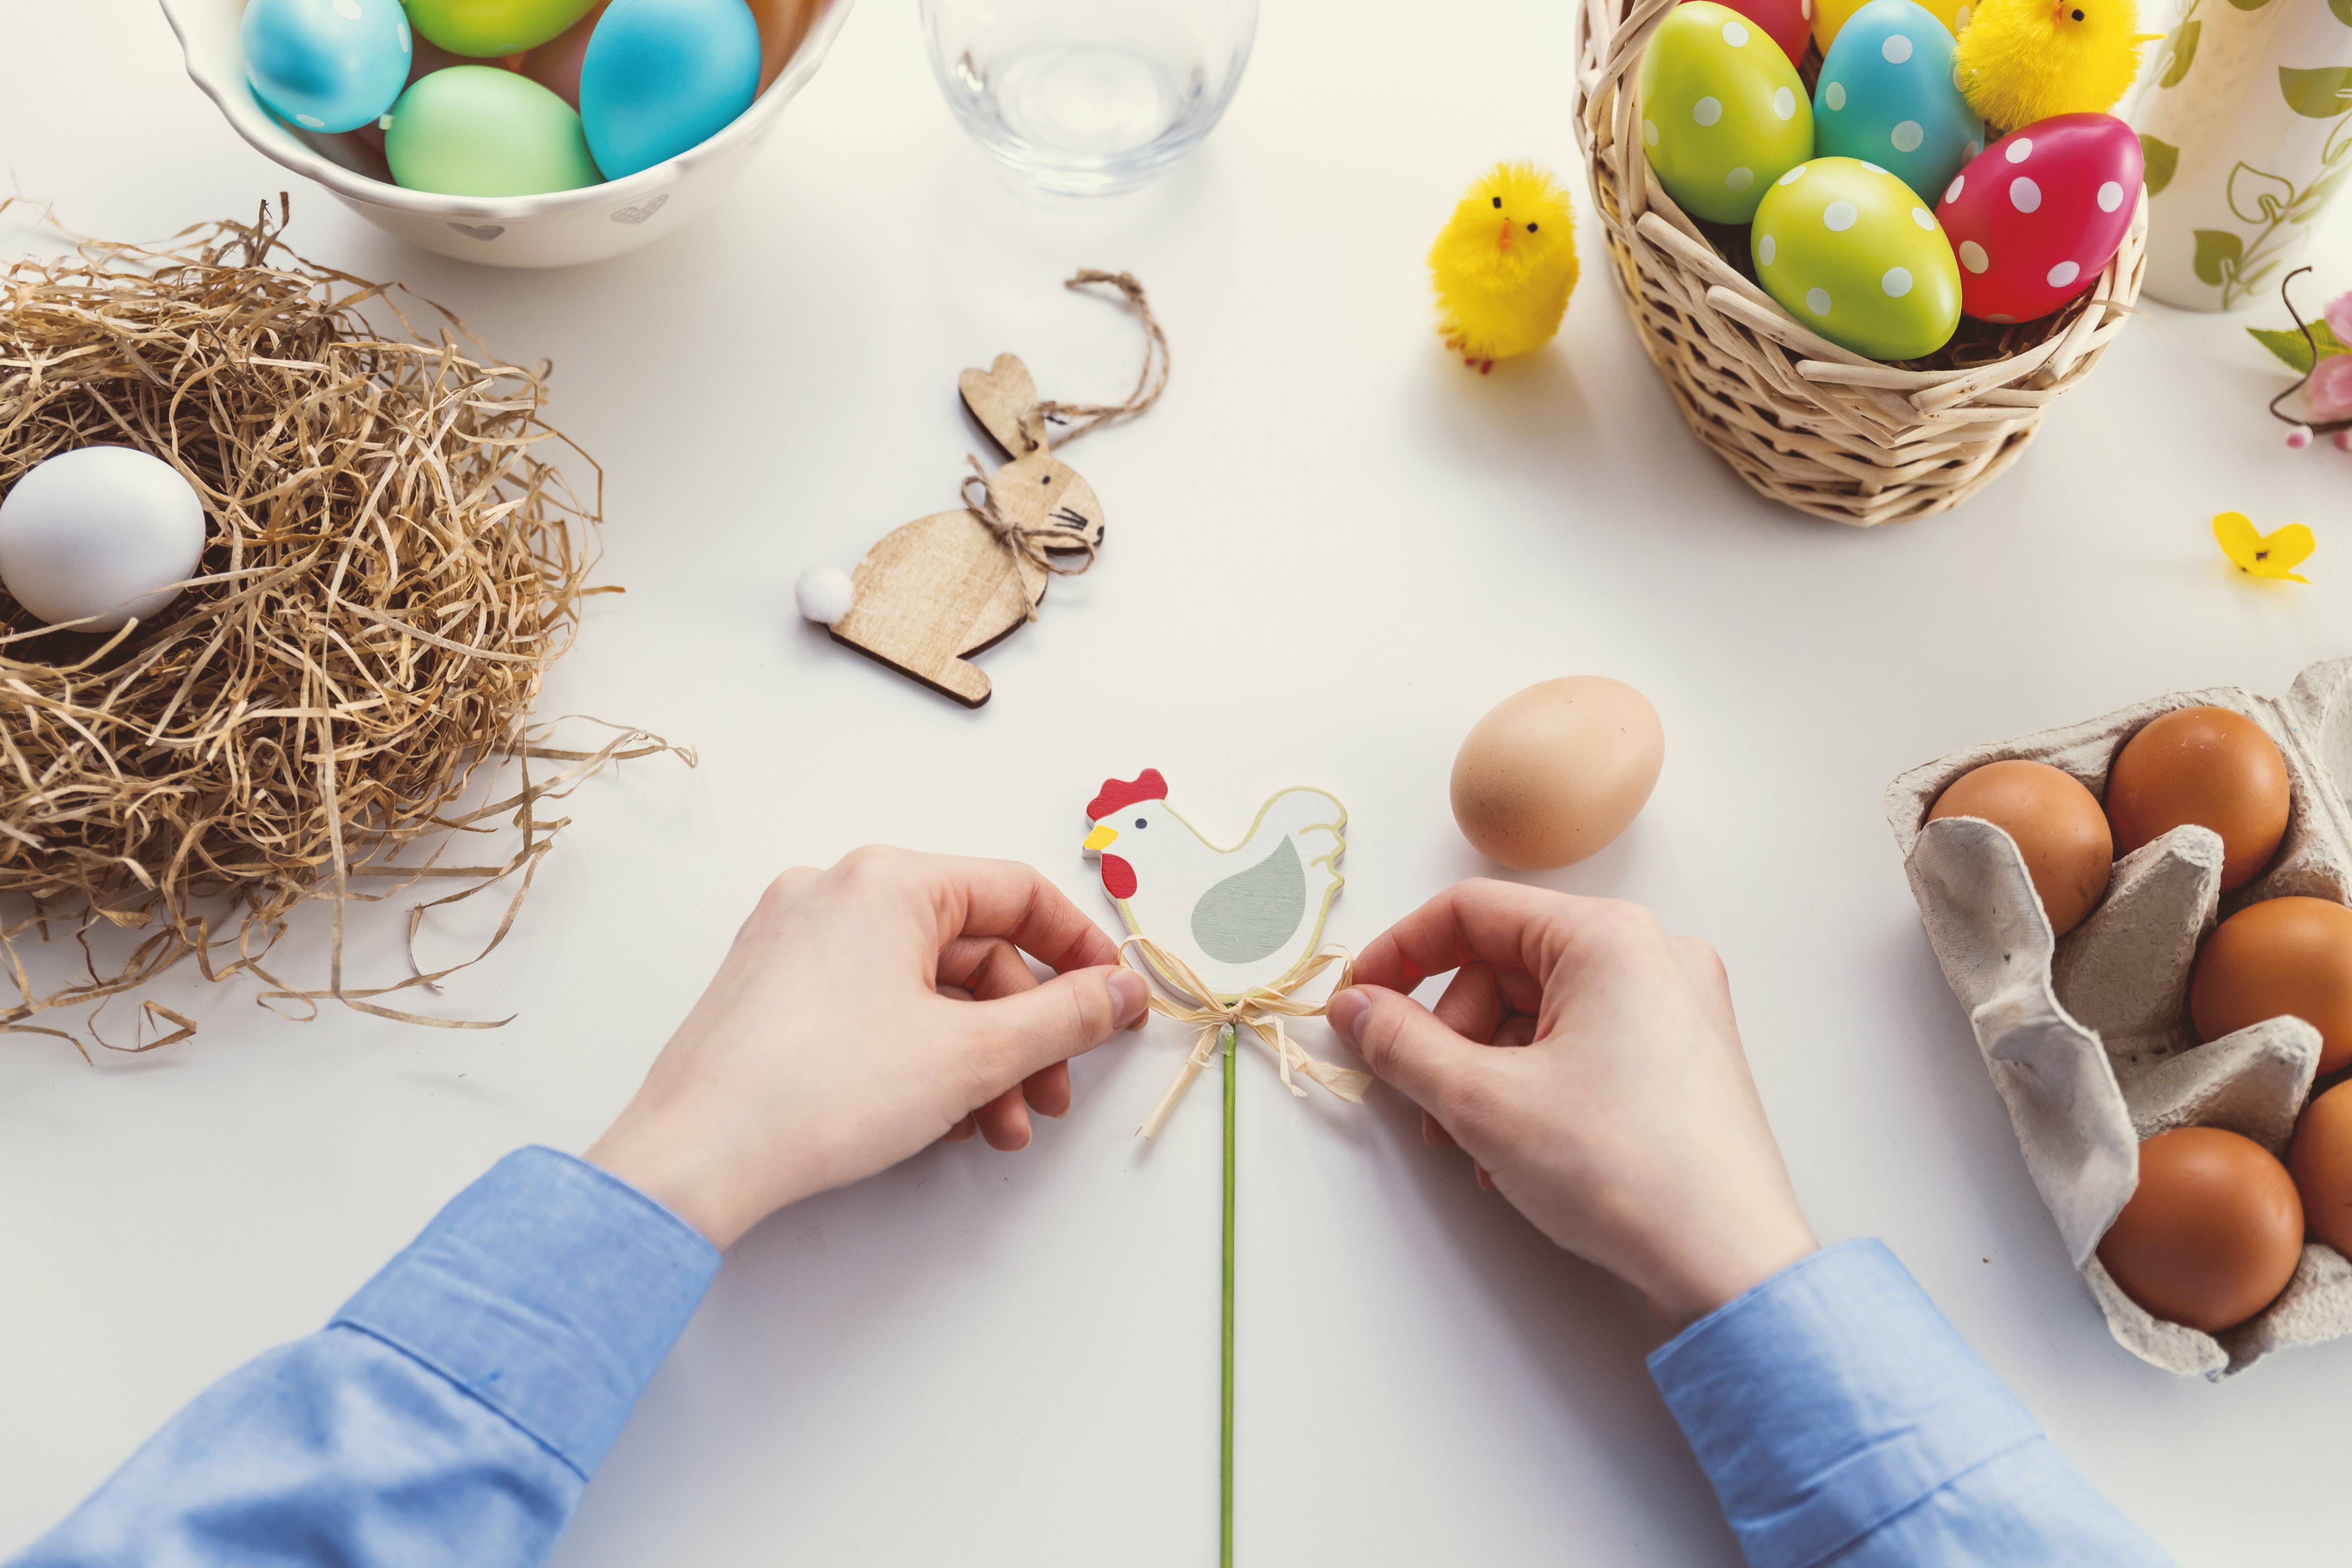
(1101, 838)
(1504, 239)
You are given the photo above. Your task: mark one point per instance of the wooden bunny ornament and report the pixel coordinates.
(934, 593)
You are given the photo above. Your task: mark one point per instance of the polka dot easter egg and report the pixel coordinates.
(1886, 96)
(1788, 23)
(1830, 17)
(1852, 253)
(1722, 113)
(2037, 216)
(326, 65)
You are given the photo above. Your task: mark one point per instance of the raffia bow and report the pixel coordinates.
(1260, 1010)
(1037, 546)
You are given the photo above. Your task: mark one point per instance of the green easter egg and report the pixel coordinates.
(1849, 250)
(479, 130)
(486, 29)
(1723, 112)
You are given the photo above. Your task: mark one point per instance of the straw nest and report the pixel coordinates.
(390, 568)
(1806, 423)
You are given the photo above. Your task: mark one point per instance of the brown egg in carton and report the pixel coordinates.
(2088, 1036)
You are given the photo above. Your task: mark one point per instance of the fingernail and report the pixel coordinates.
(1128, 997)
(1346, 1011)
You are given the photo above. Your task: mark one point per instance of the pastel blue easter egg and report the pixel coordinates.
(663, 76)
(1886, 96)
(326, 65)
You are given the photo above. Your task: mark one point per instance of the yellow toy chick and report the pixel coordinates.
(1504, 266)
(2024, 60)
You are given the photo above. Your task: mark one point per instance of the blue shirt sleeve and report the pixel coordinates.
(1843, 1421)
(453, 1410)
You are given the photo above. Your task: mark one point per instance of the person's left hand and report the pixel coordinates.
(862, 1014)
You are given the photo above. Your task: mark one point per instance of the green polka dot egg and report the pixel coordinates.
(1852, 253)
(1723, 112)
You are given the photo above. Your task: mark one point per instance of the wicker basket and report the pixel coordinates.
(1805, 422)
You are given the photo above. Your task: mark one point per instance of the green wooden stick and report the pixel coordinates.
(1225, 1431)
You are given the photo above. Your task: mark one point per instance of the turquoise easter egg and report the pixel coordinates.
(1723, 113)
(480, 131)
(325, 65)
(1855, 254)
(489, 30)
(663, 76)
(1886, 96)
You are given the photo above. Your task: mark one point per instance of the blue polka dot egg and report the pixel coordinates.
(1723, 112)
(1885, 94)
(1852, 253)
(326, 65)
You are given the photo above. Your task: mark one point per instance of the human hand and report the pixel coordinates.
(862, 1014)
(1625, 1125)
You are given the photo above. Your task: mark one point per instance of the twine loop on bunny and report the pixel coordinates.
(1260, 1010)
(1149, 383)
(1038, 546)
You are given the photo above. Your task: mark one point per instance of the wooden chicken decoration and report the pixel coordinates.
(1243, 918)
(935, 593)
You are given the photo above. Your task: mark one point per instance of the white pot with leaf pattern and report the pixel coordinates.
(2246, 120)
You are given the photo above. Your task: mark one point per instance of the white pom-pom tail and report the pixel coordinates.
(824, 594)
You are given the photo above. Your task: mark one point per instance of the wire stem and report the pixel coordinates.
(1225, 1421)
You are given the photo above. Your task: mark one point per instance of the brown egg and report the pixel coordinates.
(2058, 826)
(1555, 772)
(2322, 1160)
(2213, 1233)
(2282, 955)
(2208, 767)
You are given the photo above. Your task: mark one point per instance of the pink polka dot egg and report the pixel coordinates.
(2035, 217)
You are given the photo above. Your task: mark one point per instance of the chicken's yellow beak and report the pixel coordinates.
(1101, 838)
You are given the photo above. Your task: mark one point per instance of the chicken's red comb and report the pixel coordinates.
(1118, 793)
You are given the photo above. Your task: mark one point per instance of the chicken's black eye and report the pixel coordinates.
(1498, 202)
(1531, 228)
(2078, 15)
(1139, 822)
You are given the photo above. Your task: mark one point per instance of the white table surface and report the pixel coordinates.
(1330, 549)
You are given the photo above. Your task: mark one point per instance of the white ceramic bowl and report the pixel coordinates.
(561, 229)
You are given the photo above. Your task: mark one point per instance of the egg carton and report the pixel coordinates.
(2088, 1036)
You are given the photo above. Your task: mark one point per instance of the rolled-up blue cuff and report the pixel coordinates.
(548, 1290)
(1829, 1399)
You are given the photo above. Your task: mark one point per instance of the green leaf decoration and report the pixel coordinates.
(2218, 253)
(2183, 44)
(2343, 9)
(2163, 158)
(2249, 4)
(2318, 94)
(2291, 348)
(2256, 196)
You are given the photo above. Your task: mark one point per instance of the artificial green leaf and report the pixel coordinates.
(2162, 158)
(2183, 45)
(2319, 94)
(2218, 253)
(2294, 350)
(2343, 9)
(2249, 4)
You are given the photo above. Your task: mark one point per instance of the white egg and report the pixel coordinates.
(100, 531)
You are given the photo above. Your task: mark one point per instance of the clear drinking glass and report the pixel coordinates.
(1089, 97)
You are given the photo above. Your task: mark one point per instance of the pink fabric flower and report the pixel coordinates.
(2339, 319)
(2330, 388)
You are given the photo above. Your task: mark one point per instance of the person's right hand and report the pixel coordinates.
(1625, 1125)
